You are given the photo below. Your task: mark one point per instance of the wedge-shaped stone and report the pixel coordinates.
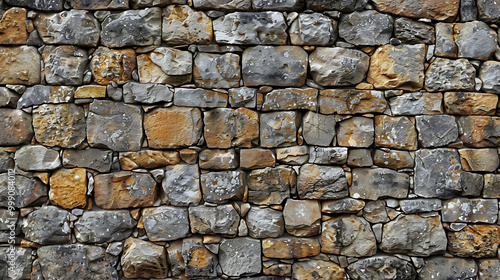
(270, 185)
(446, 74)
(13, 27)
(24, 69)
(197, 97)
(225, 128)
(476, 241)
(434, 9)
(181, 185)
(122, 62)
(338, 66)
(321, 182)
(219, 187)
(64, 65)
(313, 29)
(417, 103)
(183, 25)
(351, 101)
(376, 268)
(291, 99)
(217, 70)
(222, 219)
(143, 259)
(132, 28)
(376, 183)
(278, 129)
(395, 132)
(470, 103)
(366, 28)
(104, 226)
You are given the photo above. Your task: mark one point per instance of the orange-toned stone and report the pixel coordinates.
(68, 188)
(189, 156)
(317, 269)
(479, 159)
(256, 158)
(290, 247)
(110, 65)
(351, 101)
(225, 128)
(143, 259)
(480, 131)
(395, 132)
(13, 27)
(470, 103)
(148, 159)
(90, 92)
(441, 10)
(477, 241)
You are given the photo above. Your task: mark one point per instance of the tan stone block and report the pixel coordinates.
(431, 9)
(13, 27)
(90, 92)
(143, 259)
(225, 128)
(470, 103)
(395, 132)
(322, 268)
(290, 247)
(184, 25)
(68, 188)
(20, 65)
(110, 65)
(480, 131)
(302, 217)
(15, 127)
(356, 132)
(479, 159)
(151, 70)
(477, 241)
(256, 158)
(148, 159)
(393, 159)
(351, 101)
(189, 156)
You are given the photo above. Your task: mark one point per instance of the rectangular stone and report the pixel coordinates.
(197, 97)
(465, 210)
(351, 101)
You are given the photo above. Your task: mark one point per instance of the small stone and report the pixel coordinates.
(480, 131)
(121, 61)
(23, 68)
(411, 206)
(278, 128)
(68, 188)
(356, 132)
(165, 223)
(479, 159)
(295, 155)
(199, 262)
(302, 217)
(469, 35)
(413, 32)
(183, 25)
(13, 27)
(124, 189)
(239, 128)
(64, 65)
(16, 127)
(476, 241)
(470, 210)
(243, 97)
(132, 28)
(488, 269)
(399, 236)
(445, 42)
(284, 66)
(99, 160)
(197, 97)
(291, 99)
(218, 187)
(351, 101)
(8, 98)
(270, 185)
(471, 184)
(256, 158)
(344, 205)
(166, 66)
(265, 222)
(348, 236)
(366, 28)
(435, 131)
(470, 103)
(222, 219)
(143, 259)
(181, 185)
(90, 92)
(216, 159)
(318, 129)
(375, 212)
(321, 182)
(328, 155)
(47, 225)
(37, 158)
(489, 73)
(394, 159)
(448, 75)
(104, 226)
(40, 94)
(229, 5)
(73, 27)
(377, 267)
(350, 66)
(98, 4)
(322, 268)
(173, 127)
(435, 9)
(376, 183)
(416, 103)
(240, 256)
(359, 158)
(148, 159)
(243, 28)
(395, 132)
(313, 29)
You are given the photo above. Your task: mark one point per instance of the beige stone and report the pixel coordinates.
(480, 131)
(111, 65)
(90, 92)
(225, 128)
(302, 217)
(189, 156)
(143, 259)
(183, 25)
(393, 159)
(13, 27)
(20, 65)
(470, 103)
(152, 70)
(317, 269)
(256, 158)
(68, 188)
(290, 247)
(148, 159)
(479, 159)
(431, 9)
(395, 132)
(356, 132)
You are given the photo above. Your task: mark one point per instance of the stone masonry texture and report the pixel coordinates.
(249, 139)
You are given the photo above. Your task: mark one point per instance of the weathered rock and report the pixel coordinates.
(143, 259)
(114, 125)
(488, 269)
(321, 182)
(173, 127)
(469, 35)
(413, 32)
(375, 183)
(471, 184)
(146, 93)
(313, 29)
(480, 131)
(284, 66)
(436, 10)
(291, 99)
(13, 27)
(104, 226)
(47, 225)
(16, 262)
(240, 256)
(6, 162)
(317, 269)
(222, 219)
(270, 185)
(132, 28)
(338, 66)
(216, 70)
(477, 241)
(120, 62)
(16, 127)
(218, 187)
(64, 65)
(181, 185)
(124, 189)
(290, 247)
(435, 131)
(197, 97)
(399, 236)
(40, 94)
(295, 155)
(318, 129)
(395, 132)
(98, 4)
(37, 158)
(302, 217)
(443, 268)
(225, 5)
(216, 159)
(411, 206)
(489, 73)
(148, 159)
(165, 223)
(99, 160)
(243, 97)
(328, 155)
(73, 27)
(199, 262)
(470, 103)
(414, 103)
(8, 98)
(44, 5)
(68, 188)
(183, 25)
(90, 91)
(465, 210)
(21, 65)
(239, 128)
(445, 42)
(437, 173)
(242, 28)
(344, 5)
(359, 158)
(366, 28)
(344, 205)
(394, 159)
(446, 74)
(488, 11)
(166, 66)
(375, 212)
(287, 5)
(256, 158)
(76, 261)
(398, 67)
(265, 222)
(356, 132)
(278, 129)
(479, 159)
(491, 186)
(378, 266)
(30, 191)
(175, 259)
(351, 101)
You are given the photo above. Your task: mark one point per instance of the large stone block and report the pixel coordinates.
(13, 27)
(166, 66)
(16, 127)
(302, 217)
(321, 182)
(413, 32)
(435, 131)
(464, 210)
(476, 241)
(351, 101)
(225, 128)
(356, 132)
(183, 25)
(222, 219)
(198, 97)
(290, 247)
(219, 187)
(99, 4)
(366, 28)
(30, 191)
(395, 132)
(48, 225)
(43, 5)
(37, 158)
(122, 62)
(489, 73)
(143, 259)
(376, 268)
(96, 159)
(376, 183)
(265, 222)
(181, 185)
(433, 9)
(270, 185)
(324, 269)
(318, 129)
(240, 256)
(21, 65)
(165, 223)
(68, 188)
(291, 99)
(313, 29)
(338, 66)
(225, 5)
(480, 131)
(488, 11)
(444, 268)
(64, 65)
(198, 260)
(448, 75)
(415, 103)
(470, 103)
(278, 129)
(485, 160)
(217, 70)
(104, 226)
(342, 5)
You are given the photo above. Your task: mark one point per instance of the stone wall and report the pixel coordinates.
(268, 139)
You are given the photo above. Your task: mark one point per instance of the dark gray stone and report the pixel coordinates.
(445, 42)
(104, 226)
(29, 191)
(366, 28)
(47, 225)
(43, 5)
(413, 32)
(97, 159)
(270, 185)
(444, 268)
(378, 266)
(16, 263)
(278, 5)
(468, 10)
(165, 223)
(240, 256)
(376, 183)
(8, 98)
(6, 161)
(98, 4)
(36, 95)
(470, 35)
(225, 5)
(359, 158)
(489, 11)
(471, 184)
(341, 5)
(436, 130)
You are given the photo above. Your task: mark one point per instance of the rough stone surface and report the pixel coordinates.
(181, 185)
(366, 28)
(471, 34)
(165, 65)
(394, 159)
(328, 155)
(379, 182)
(479, 131)
(324, 269)
(290, 247)
(477, 241)
(491, 186)
(395, 132)
(122, 62)
(16, 127)
(146, 93)
(489, 76)
(318, 129)
(148, 159)
(240, 128)
(488, 269)
(218, 187)
(344, 205)
(96, 159)
(463, 210)
(345, 6)
(413, 32)
(413, 103)
(448, 75)
(442, 268)
(98, 5)
(48, 225)
(350, 66)
(479, 159)
(13, 27)
(222, 219)
(488, 11)
(198, 97)
(23, 67)
(302, 217)
(31, 192)
(351, 101)
(199, 262)
(44, 5)
(270, 185)
(412, 206)
(216, 159)
(278, 129)
(356, 132)
(435, 131)
(68, 188)
(183, 25)
(321, 182)
(104, 226)
(470, 103)
(256, 158)
(165, 223)
(295, 155)
(249, 249)
(313, 29)
(223, 5)
(21, 268)
(291, 99)
(265, 222)
(143, 259)
(37, 158)
(216, 70)
(435, 9)
(376, 268)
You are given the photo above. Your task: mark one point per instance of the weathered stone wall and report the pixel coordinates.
(270, 139)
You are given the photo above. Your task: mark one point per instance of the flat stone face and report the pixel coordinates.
(146, 93)
(278, 128)
(256, 158)
(479, 159)
(121, 61)
(469, 35)
(398, 67)
(48, 225)
(470, 103)
(197, 97)
(343, 5)
(104, 226)
(435, 131)
(290, 247)
(239, 128)
(489, 75)
(265, 222)
(24, 69)
(124, 189)
(132, 28)
(73, 27)
(222, 219)
(445, 42)
(437, 173)
(376, 268)
(480, 131)
(488, 269)
(394, 159)
(399, 236)
(99, 4)
(287, 5)
(13, 27)
(356, 132)
(216, 159)
(265, 65)
(76, 261)
(44, 5)
(181, 185)
(464, 210)
(295, 155)
(476, 241)
(413, 32)
(411, 206)
(148, 159)
(226, 5)
(313, 29)
(441, 268)
(270, 185)
(16, 127)
(375, 183)
(395, 132)
(165, 223)
(324, 269)
(491, 186)
(344, 205)
(243, 97)
(218, 187)
(114, 125)
(37, 158)
(30, 191)
(302, 217)
(183, 25)
(338, 66)
(90, 91)
(216, 70)
(240, 256)
(99, 160)
(64, 65)
(348, 236)
(414, 103)
(199, 262)
(321, 182)
(143, 259)
(488, 11)
(328, 155)
(434, 9)
(68, 188)
(366, 28)
(267, 28)
(166, 66)
(449, 75)
(291, 99)
(351, 101)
